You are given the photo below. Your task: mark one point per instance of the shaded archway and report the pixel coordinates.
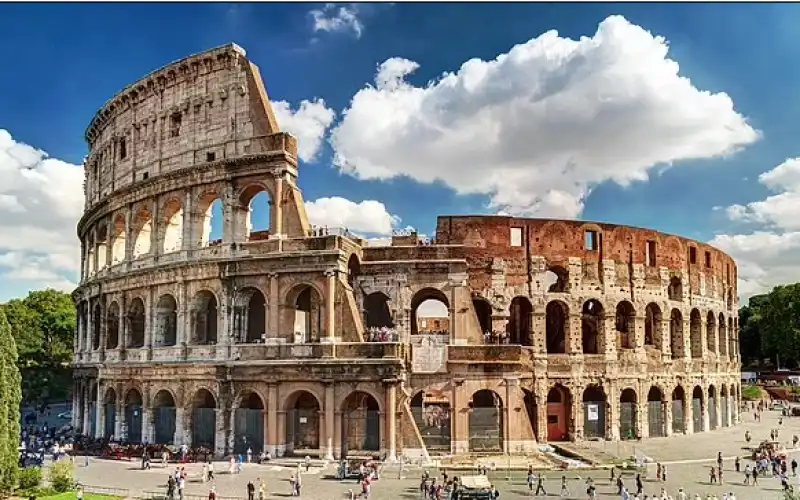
(559, 408)
(483, 310)
(209, 231)
(112, 326)
(698, 408)
(656, 419)
(592, 326)
(722, 343)
(255, 205)
(652, 325)
(724, 406)
(142, 233)
(353, 270)
(711, 332)
(556, 326)
(118, 240)
(361, 423)
(628, 411)
(93, 409)
(302, 423)
(97, 318)
(675, 289)
(626, 325)
(308, 315)
(136, 323)
(204, 318)
(132, 426)
(431, 411)
(430, 312)
(166, 331)
(712, 407)
(676, 334)
(250, 316)
(486, 422)
(594, 412)
(557, 279)
(204, 419)
(163, 417)
(678, 410)
(377, 312)
(110, 412)
(172, 237)
(696, 334)
(248, 425)
(519, 321)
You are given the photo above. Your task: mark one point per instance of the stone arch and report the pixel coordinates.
(142, 230)
(163, 417)
(676, 334)
(483, 310)
(653, 333)
(722, 343)
(136, 320)
(166, 321)
(132, 428)
(432, 416)
(696, 333)
(303, 410)
(204, 419)
(675, 289)
(626, 325)
(594, 411)
(361, 429)
(118, 239)
(711, 332)
(556, 326)
(519, 323)
(698, 408)
(248, 423)
(486, 423)
(97, 318)
(656, 419)
(377, 313)
(207, 203)
(307, 307)
(112, 325)
(102, 250)
(434, 318)
(110, 412)
(628, 414)
(559, 409)
(248, 197)
(204, 318)
(557, 279)
(250, 315)
(172, 232)
(593, 317)
(678, 410)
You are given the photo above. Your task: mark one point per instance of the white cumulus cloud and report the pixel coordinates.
(368, 217)
(309, 123)
(536, 128)
(333, 18)
(769, 254)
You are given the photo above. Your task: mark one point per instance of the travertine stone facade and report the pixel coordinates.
(267, 339)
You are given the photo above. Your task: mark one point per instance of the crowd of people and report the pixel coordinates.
(382, 334)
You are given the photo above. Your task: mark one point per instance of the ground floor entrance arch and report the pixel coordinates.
(302, 423)
(431, 410)
(594, 412)
(163, 417)
(559, 405)
(678, 410)
(361, 423)
(248, 425)
(133, 416)
(204, 419)
(486, 422)
(697, 409)
(655, 413)
(628, 414)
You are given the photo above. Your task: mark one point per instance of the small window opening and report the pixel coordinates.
(650, 253)
(145, 176)
(692, 255)
(175, 125)
(516, 236)
(590, 240)
(708, 259)
(123, 150)
(211, 156)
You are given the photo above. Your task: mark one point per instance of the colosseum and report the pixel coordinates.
(498, 334)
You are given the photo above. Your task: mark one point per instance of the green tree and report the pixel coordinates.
(10, 399)
(779, 324)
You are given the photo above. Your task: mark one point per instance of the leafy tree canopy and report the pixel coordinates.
(770, 326)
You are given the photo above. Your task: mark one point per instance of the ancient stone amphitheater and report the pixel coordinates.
(309, 341)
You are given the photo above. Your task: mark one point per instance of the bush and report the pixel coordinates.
(62, 476)
(30, 478)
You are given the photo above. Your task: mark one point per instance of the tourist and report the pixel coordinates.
(664, 473)
(164, 457)
(564, 489)
(620, 485)
(747, 474)
(624, 494)
(298, 482)
(171, 487)
(307, 462)
(204, 473)
(737, 464)
(232, 466)
(540, 485)
(79, 492)
(262, 489)
(531, 479)
(712, 476)
(639, 485)
(251, 490)
(681, 495)
(181, 486)
(794, 466)
(212, 494)
(210, 470)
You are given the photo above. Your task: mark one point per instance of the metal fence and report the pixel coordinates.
(594, 419)
(433, 422)
(362, 430)
(677, 416)
(92, 418)
(111, 417)
(712, 414)
(248, 431)
(655, 419)
(486, 429)
(164, 424)
(302, 429)
(725, 409)
(204, 424)
(133, 423)
(627, 420)
(697, 415)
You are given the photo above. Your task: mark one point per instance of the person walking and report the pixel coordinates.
(540, 485)
(639, 485)
(564, 489)
(251, 490)
(712, 476)
(171, 487)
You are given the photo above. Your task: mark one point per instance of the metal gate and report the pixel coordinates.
(486, 429)
(362, 430)
(697, 415)
(655, 419)
(594, 419)
(111, 417)
(433, 422)
(204, 427)
(627, 420)
(724, 406)
(133, 423)
(248, 431)
(302, 429)
(712, 414)
(92, 418)
(677, 416)
(164, 423)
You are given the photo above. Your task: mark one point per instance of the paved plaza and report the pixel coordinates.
(688, 459)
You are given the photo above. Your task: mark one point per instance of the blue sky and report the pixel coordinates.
(665, 153)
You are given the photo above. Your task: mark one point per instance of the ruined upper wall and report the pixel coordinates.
(200, 109)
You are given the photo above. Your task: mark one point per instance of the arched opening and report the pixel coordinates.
(592, 326)
(734, 403)
(102, 237)
(486, 422)
(173, 226)
(678, 410)
(256, 203)
(711, 332)
(211, 226)
(142, 229)
(676, 334)
(729, 299)
(250, 316)
(430, 313)
(628, 411)
(656, 422)
(431, 410)
(594, 412)
(118, 240)
(353, 270)
(724, 406)
(626, 325)
(698, 407)
(712, 407)
(163, 417)
(696, 334)
(377, 314)
(132, 427)
(136, 323)
(204, 318)
(97, 317)
(112, 326)
(732, 350)
(519, 324)
(532, 410)
(249, 425)
(91, 263)
(484, 312)
(361, 423)
(556, 314)
(652, 325)
(166, 333)
(110, 412)
(308, 316)
(559, 408)
(204, 419)
(675, 289)
(723, 337)
(557, 279)
(302, 423)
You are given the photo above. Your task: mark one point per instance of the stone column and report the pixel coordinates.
(272, 419)
(687, 337)
(282, 444)
(665, 334)
(129, 235)
(329, 420)
(99, 414)
(688, 412)
(337, 433)
(149, 309)
(119, 418)
(274, 321)
(574, 338)
(330, 306)
(575, 427)
(182, 321)
(667, 415)
(189, 222)
(89, 341)
(613, 412)
(219, 433)
(180, 422)
(156, 226)
(76, 403)
(276, 226)
(459, 422)
(541, 411)
(391, 420)
(86, 413)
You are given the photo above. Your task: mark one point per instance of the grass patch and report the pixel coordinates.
(70, 495)
(752, 392)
